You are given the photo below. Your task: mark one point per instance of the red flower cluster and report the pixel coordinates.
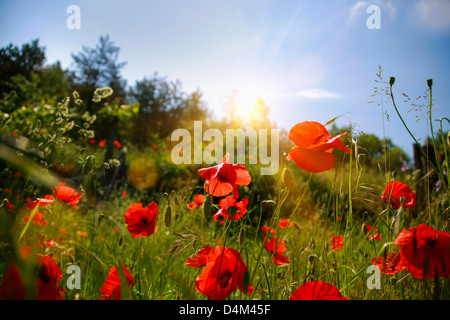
(425, 252)
(285, 223)
(198, 201)
(141, 221)
(317, 290)
(223, 273)
(372, 233)
(227, 206)
(314, 146)
(225, 178)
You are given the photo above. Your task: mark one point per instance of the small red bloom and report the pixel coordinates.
(277, 247)
(337, 242)
(8, 190)
(198, 201)
(17, 174)
(111, 289)
(67, 194)
(38, 219)
(117, 144)
(390, 264)
(91, 141)
(314, 146)
(223, 274)
(285, 223)
(227, 206)
(396, 190)
(124, 193)
(102, 143)
(142, 221)
(225, 178)
(266, 229)
(425, 252)
(372, 235)
(154, 146)
(317, 290)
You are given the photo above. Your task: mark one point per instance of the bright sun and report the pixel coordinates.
(244, 105)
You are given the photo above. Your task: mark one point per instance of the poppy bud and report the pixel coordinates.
(266, 203)
(391, 81)
(120, 240)
(311, 258)
(100, 218)
(241, 237)
(168, 216)
(287, 178)
(448, 139)
(207, 205)
(430, 83)
(177, 203)
(297, 226)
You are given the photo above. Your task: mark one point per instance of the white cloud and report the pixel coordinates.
(434, 13)
(316, 93)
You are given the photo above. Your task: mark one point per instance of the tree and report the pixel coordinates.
(20, 69)
(98, 67)
(164, 107)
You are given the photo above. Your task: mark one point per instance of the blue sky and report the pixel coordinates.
(308, 60)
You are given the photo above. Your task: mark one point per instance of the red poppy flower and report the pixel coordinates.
(141, 221)
(317, 290)
(8, 190)
(102, 143)
(314, 146)
(223, 274)
(198, 201)
(111, 289)
(337, 242)
(285, 223)
(425, 252)
(266, 229)
(277, 247)
(48, 199)
(396, 190)
(38, 219)
(372, 234)
(225, 177)
(67, 194)
(124, 193)
(48, 277)
(91, 141)
(198, 260)
(391, 264)
(227, 206)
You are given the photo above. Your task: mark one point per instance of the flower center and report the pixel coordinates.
(44, 274)
(224, 279)
(143, 219)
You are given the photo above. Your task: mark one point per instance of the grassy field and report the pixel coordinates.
(71, 229)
